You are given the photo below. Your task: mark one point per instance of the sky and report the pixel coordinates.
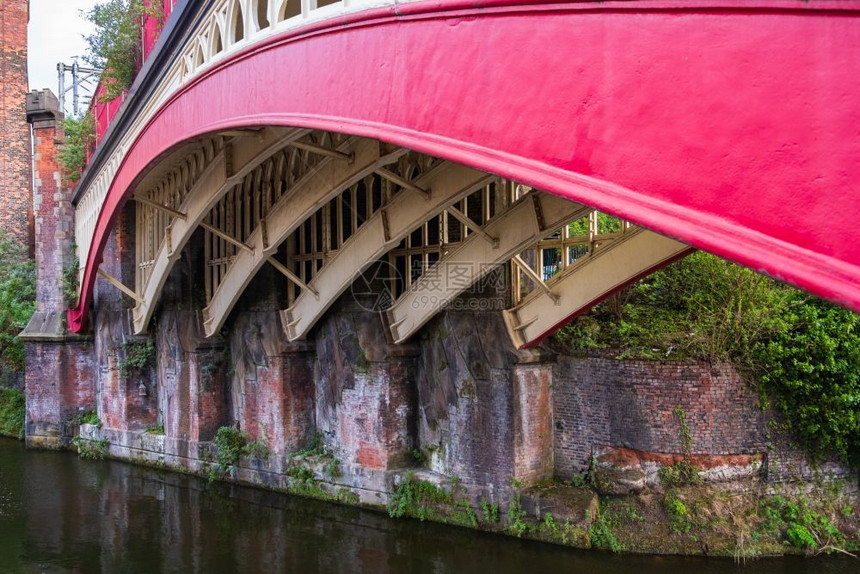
(56, 34)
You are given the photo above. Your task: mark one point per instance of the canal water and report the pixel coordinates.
(59, 513)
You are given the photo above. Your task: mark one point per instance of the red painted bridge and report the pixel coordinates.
(323, 138)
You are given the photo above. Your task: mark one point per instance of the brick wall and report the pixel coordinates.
(606, 402)
(16, 213)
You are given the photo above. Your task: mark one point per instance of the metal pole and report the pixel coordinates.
(61, 72)
(75, 99)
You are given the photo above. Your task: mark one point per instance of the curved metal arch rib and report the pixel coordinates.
(210, 186)
(445, 184)
(526, 221)
(333, 176)
(577, 289)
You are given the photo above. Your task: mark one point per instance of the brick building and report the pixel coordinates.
(16, 212)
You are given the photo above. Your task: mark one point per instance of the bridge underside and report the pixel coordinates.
(336, 214)
(443, 141)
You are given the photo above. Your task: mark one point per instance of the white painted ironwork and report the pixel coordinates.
(528, 219)
(589, 279)
(229, 26)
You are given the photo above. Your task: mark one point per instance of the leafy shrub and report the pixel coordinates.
(80, 137)
(17, 301)
(115, 46)
(12, 412)
(601, 533)
(137, 355)
(230, 442)
(811, 371)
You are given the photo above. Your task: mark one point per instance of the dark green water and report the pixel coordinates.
(61, 514)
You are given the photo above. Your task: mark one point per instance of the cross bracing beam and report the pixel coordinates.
(333, 176)
(528, 220)
(430, 195)
(219, 176)
(579, 287)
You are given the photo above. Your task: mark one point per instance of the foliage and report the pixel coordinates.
(805, 352)
(80, 136)
(315, 448)
(679, 516)
(86, 418)
(91, 449)
(230, 442)
(601, 532)
(155, 429)
(516, 525)
(12, 413)
(418, 456)
(257, 448)
(137, 355)
(683, 472)
(301, 473)
(811, 370)
(115, 46)
(423, 500)
(803, 527)
(70, 277)
(17, 300)
(410, 496)
(332, 468)
(491, 511)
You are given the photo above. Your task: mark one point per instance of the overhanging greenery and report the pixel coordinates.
(115, 46)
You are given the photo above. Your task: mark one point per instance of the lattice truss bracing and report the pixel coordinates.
(329, 211)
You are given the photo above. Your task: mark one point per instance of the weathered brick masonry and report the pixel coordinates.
(602, 402)
(16, 215)
(60, 374)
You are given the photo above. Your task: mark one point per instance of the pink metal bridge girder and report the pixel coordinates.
(732, 126)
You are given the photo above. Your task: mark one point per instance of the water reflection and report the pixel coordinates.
(61, 514)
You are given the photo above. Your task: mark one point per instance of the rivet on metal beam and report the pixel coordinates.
(396, 179)
(318, 149)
